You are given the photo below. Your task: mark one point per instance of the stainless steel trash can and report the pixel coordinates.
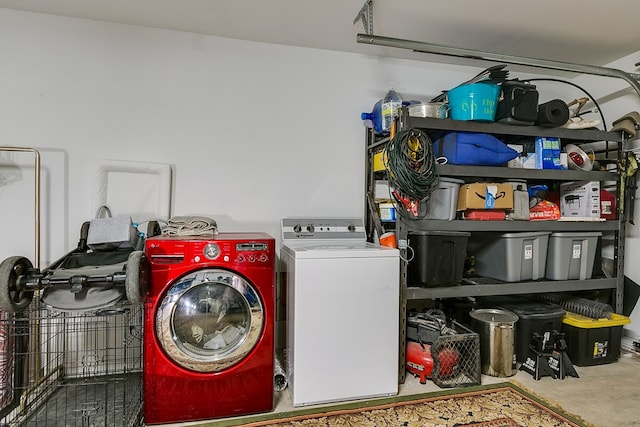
(496, 328)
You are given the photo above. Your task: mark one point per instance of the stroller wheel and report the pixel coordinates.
(13, 299)
(137, 277)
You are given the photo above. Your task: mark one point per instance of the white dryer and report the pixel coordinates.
(343, 311)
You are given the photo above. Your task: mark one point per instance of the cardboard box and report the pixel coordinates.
(580, 199)
(379, 161)
(387, 212)
(548, 153)
(515, 163)
(524, 160)
(482, 195)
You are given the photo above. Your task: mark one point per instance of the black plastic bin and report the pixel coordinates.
(593, 341)
(438, 258)
(534, 316)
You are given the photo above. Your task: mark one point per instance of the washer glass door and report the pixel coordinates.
(209, 320)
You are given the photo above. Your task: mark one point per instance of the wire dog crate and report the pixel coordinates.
(452, 358)
(466, 345)
(71, 368)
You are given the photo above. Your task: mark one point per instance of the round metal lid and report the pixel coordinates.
(494, 315)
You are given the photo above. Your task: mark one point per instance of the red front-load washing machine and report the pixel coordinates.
(209, 327)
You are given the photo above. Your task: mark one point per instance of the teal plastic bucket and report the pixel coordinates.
(475, 101)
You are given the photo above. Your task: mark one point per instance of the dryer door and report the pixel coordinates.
(209, 320)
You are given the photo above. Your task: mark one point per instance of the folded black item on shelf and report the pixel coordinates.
(519, 104)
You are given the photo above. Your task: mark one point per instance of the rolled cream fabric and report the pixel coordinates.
(191, 226)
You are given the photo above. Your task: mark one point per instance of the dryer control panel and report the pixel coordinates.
(323, 229)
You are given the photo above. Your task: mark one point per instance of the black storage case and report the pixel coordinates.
(438, 258)
(534, 316)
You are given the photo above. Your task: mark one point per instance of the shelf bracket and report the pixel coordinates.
(422, 47)
(366, 14)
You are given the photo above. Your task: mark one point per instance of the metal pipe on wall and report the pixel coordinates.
(416, 46)
(37, 197)
(36, 336)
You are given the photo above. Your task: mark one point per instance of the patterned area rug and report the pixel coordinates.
(498, 405)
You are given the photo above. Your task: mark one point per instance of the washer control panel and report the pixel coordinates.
(203, 251)
(252, 252)
(323, 229)
(239, 253)
(211, 251)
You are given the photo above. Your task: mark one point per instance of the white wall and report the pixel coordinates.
(253, 132)
(618, 98)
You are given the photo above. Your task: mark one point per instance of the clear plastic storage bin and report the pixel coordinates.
(443, 201)
(571, 255)
(512, 257)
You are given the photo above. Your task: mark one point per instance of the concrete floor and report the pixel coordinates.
(604, 395)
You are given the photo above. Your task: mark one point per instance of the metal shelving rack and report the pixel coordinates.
(617, 139)
(374, 224)
(616, 143)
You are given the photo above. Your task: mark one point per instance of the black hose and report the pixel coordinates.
(412, 166)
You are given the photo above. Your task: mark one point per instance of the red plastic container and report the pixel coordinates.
(484, 215)
(607, 205)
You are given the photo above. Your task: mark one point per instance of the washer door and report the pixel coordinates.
(209, 320)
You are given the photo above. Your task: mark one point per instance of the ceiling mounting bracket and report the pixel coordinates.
(632, 79)
(366, 14)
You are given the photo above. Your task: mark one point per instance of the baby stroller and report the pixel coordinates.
(90, 277)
